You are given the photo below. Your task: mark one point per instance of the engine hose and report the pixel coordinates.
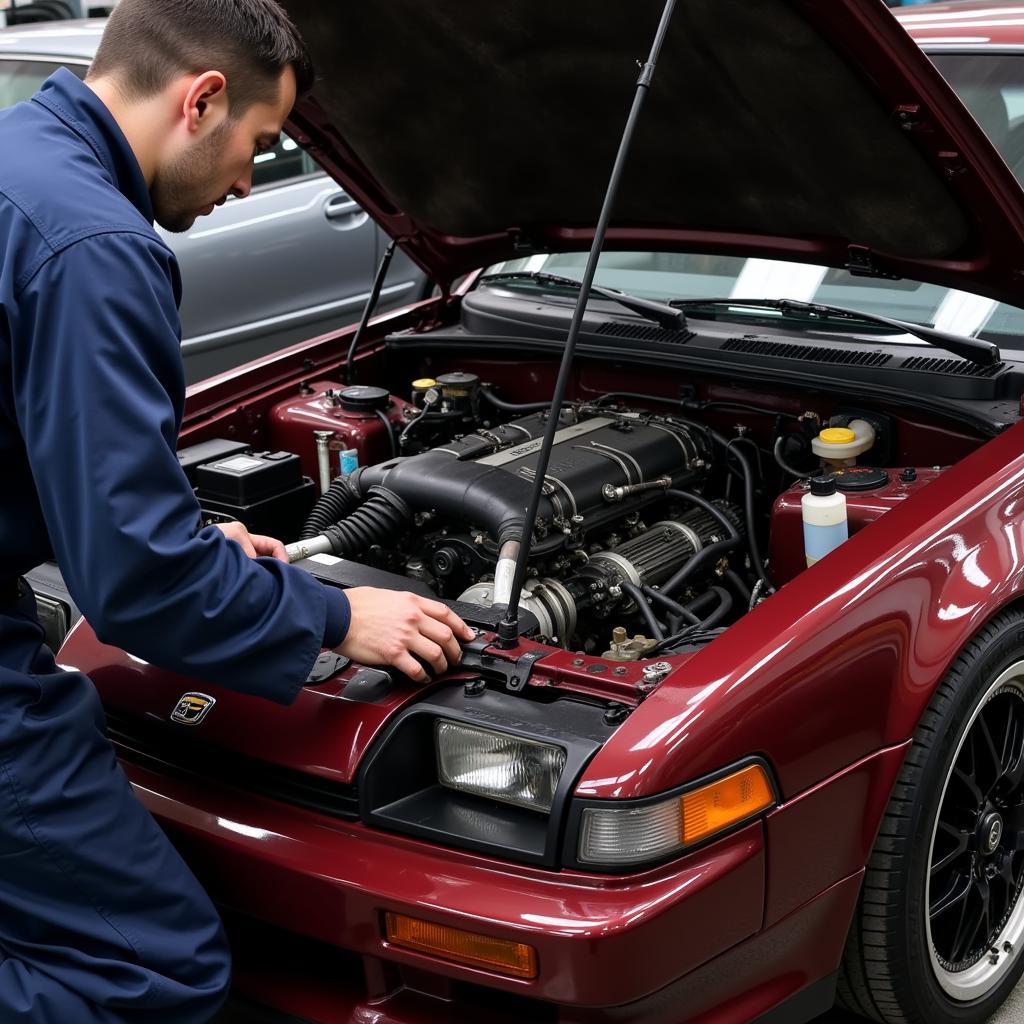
(723, 609)
(710, 507)
(505, 406)
(791, 470)
(645, 610)
(738, 585)
(340, 499)
(748, 506)
(380, 519)
(697, 562)
(678, 610)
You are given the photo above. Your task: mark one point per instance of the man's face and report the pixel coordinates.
(218, 163)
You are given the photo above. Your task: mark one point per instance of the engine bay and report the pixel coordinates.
(662, 520)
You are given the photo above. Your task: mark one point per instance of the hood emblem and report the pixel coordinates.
(192, 708)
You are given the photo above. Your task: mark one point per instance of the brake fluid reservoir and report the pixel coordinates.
(840, 446)
(824, 516)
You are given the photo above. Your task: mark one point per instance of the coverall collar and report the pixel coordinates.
(71, 100)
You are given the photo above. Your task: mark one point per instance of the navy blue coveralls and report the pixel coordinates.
(100, 920)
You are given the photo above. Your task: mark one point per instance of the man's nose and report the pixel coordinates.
(243, 185)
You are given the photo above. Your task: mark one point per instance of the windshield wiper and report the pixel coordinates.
(666, 316)
(984, 353)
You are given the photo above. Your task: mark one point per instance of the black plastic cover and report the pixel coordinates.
(196, 455)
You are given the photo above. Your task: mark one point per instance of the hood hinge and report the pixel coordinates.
(860, 262)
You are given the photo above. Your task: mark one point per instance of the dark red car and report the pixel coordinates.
(707, 783)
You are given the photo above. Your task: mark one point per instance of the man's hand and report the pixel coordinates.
(253, 544)
(389, 627)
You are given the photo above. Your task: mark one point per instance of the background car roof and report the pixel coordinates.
(72, 39)
(967, 22)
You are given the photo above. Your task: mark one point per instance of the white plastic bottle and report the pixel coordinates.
(824, 515)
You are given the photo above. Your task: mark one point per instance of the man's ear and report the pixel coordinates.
(206, 101)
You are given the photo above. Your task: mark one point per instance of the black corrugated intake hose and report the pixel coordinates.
(379, 520)
(340, 500)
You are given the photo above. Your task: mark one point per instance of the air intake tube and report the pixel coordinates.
(381, 518)
(487, 496)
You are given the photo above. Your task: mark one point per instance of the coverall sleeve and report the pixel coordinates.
(97, 384)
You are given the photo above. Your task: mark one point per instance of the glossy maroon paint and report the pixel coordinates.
(332, 881)
(841, 661)
(891, 66)
(862, 509)
(293, 421)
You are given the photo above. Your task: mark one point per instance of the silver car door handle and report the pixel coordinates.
(344, 211)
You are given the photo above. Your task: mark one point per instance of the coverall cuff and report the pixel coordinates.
(339, 616)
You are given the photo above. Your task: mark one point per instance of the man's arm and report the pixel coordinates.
(96, 362)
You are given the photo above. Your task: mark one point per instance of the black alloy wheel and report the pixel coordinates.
(938, 935)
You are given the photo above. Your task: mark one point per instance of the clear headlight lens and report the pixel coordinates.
(633, 835)
(498, 765)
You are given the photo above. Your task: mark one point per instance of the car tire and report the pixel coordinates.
(950, 850)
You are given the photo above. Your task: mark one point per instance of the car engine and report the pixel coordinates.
(621, 513)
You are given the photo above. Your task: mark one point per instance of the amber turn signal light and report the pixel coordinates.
(515, 959)
(718, 805)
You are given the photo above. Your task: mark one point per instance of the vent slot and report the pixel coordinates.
(805, 353)
(643, 332)
(952, 367)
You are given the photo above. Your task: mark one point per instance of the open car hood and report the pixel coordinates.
(810, 130)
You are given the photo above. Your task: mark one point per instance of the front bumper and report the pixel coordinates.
(601, 940)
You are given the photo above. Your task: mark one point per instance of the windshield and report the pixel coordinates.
(991, 87)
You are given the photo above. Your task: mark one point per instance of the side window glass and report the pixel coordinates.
(21, 79)
(280, 164)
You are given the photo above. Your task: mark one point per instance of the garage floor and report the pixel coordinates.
(1011, 1013)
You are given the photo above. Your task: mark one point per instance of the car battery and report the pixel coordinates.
(869, 493)
(196, 455)
(264, 490)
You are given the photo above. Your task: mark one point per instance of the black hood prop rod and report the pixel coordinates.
(508, 628)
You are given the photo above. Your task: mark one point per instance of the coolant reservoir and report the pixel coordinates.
(365, 420)
(870, 493)
(840, 446)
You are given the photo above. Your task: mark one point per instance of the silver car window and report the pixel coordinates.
(21, 79)
(285, 162)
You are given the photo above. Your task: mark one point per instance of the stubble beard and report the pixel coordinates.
(180, 191)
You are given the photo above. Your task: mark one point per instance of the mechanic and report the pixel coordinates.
(100, 920)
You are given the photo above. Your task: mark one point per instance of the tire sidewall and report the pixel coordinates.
(971, 676)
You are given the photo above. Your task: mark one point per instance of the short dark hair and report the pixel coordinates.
(149, 43)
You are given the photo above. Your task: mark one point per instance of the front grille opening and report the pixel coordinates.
(170, 749)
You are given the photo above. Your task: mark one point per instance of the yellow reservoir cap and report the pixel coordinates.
(423, 383)
(726, 802)
(515, 959)
(837, 435)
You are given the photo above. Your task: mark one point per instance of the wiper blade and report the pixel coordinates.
(984, 353)
(669, 317)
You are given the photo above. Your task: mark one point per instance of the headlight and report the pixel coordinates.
(633, 835)
(498, 765)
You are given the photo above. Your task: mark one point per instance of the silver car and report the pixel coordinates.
(294, 259)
